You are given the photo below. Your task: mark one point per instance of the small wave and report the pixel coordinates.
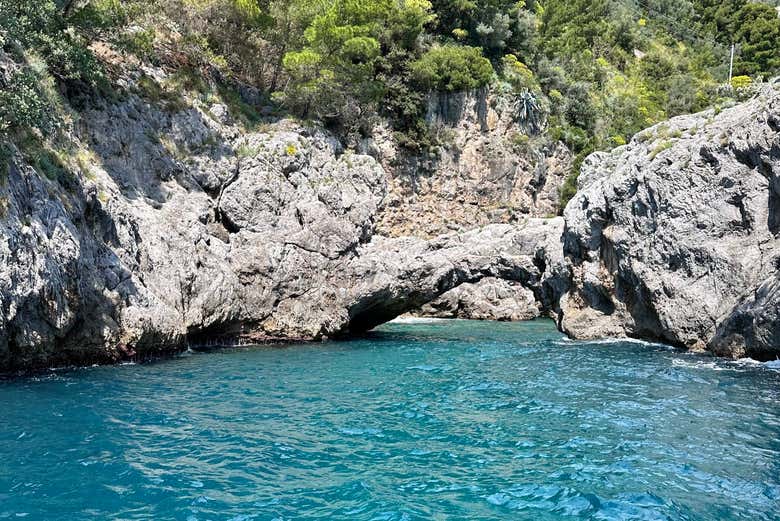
(696, 364)
(747, 362)
(718, 364)
(486, 386)
(773, 364)
(417, 320)
(612, 341)
(628, 341)
(430, 368)
(362, 432)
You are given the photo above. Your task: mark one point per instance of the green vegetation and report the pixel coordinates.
(22, 104)
(591, 73)
(660, 147)
(451, 68)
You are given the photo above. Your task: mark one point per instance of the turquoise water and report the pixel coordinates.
(450, 420)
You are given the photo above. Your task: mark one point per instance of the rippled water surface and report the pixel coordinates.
(446, 420)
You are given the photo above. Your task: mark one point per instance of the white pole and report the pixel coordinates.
(731, 63)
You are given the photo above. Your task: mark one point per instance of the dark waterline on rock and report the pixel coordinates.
(446, 420)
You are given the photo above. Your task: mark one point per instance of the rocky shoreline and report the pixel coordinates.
(179, 229)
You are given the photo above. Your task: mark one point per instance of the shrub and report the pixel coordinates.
(617, 140)
(741, 82)
(450, 68)
(573, 137)
(518, 74)
(664, 145)
(22, 104)
(39, 26)
(568, 189)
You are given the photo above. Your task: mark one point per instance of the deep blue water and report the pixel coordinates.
(452, 420)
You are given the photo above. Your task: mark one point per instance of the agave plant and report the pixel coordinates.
(529, 111)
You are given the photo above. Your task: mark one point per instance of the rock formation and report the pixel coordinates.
(674, 236)
(489, 299)
(175, 227)
(490, 168)
(178, 229)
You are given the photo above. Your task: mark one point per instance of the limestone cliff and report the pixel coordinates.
(675, 235)
(173, 226)
(176, 227)
(490, 168)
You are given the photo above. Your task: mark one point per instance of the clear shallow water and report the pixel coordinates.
(450, 420)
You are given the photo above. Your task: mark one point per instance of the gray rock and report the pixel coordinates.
(221, 113)
(490, 168)
(674, 236)
(394, 276)
(181, 231)
(488, 299)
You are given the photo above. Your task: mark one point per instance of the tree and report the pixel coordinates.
(758, 34)
(335, 74)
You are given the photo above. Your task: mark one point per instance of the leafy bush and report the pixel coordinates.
(569, 187)
(450, 68)
(518, 74)
(22, 104)
(573, 137)
(741, 82)
(39, 26)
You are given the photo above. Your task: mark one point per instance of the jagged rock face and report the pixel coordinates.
(182, 230)
(489, 299)
(674, 236)
(490, 169)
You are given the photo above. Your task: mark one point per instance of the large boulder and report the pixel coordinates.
(674, 236)
(489, 299)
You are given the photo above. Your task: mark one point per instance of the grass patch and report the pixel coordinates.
(148, 88)
(172, 148)
(84, 160)
(662, 131)
(519, 142)
(188, 79)
(665, 145)
(244, 151)
(247, 114)
(51, 163)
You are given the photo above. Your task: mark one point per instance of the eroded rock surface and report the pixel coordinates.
(491, 168)
(181, 230)
(674, 236)
(489, 299)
